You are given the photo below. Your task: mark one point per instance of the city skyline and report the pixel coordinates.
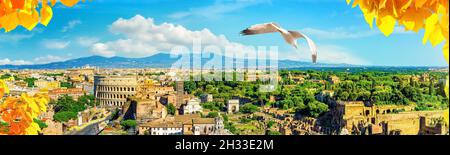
(110, 29)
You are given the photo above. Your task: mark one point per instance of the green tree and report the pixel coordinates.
(271, 123)
(88, 100)
(249, 108)
(214, 106)
(64, 116)
(67, 103)
(225, 118)
(41, 124)
(5, 76)
(273, 133)
(171, 109)
(66, 85)
(128, 124)
(313, 109)
(190, 86)
(212, 115)
(30, 81)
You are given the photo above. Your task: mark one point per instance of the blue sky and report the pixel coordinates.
(120, 28)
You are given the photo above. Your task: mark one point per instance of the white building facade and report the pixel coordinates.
(192, 107)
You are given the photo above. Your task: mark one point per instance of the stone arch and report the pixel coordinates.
(233, 108)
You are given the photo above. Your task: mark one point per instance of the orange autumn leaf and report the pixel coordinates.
(18, 4)
(28, 13)
(2, 92)
(413, 15)
(46, 15)
(9, 22)
(19, 113)
(69, 3)
(29, 20)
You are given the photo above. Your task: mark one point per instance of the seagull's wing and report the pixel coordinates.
(311, 44)
(261, 29)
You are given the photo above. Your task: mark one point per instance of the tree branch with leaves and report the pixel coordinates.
(28, 13)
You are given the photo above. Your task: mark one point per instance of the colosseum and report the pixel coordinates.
(114, 90)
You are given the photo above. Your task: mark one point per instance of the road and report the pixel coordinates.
(92, 129)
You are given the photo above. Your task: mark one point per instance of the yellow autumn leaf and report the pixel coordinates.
(446, 87)
(433, 31)
(10, 21)
(446, 116)
(370, 17)
(386, 24)
(420, 3)
(3, 88)
(348, 1)
(25, 13)
(33, 129)
(407, 5)
(53, 2)
(69, 3)
(414, 15)
(29, 20)
(46, 15)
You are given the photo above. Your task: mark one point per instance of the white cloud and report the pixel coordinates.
(102, 49)
(14, 37)
(343, 33)
(142, 37)
(55, 44)
(87, 41)
(14, 62)
(48, 59)
(219, 7)
(39, 60)
(71, 25)
(326, 54)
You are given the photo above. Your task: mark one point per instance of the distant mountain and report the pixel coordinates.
(156, 61)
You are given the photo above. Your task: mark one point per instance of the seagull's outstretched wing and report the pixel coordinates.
(311, 44)
(261, 29)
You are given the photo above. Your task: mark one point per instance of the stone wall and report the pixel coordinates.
(114, 91)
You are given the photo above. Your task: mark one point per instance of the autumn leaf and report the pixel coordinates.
(9, 22)
(28, 13)
(446, 116)
(46, 15)
(19, 112)
(3, 88)
(69, 3)
(386, 24)
(430, 15)
(29, 20)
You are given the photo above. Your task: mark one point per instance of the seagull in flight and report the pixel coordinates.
(289, 36)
